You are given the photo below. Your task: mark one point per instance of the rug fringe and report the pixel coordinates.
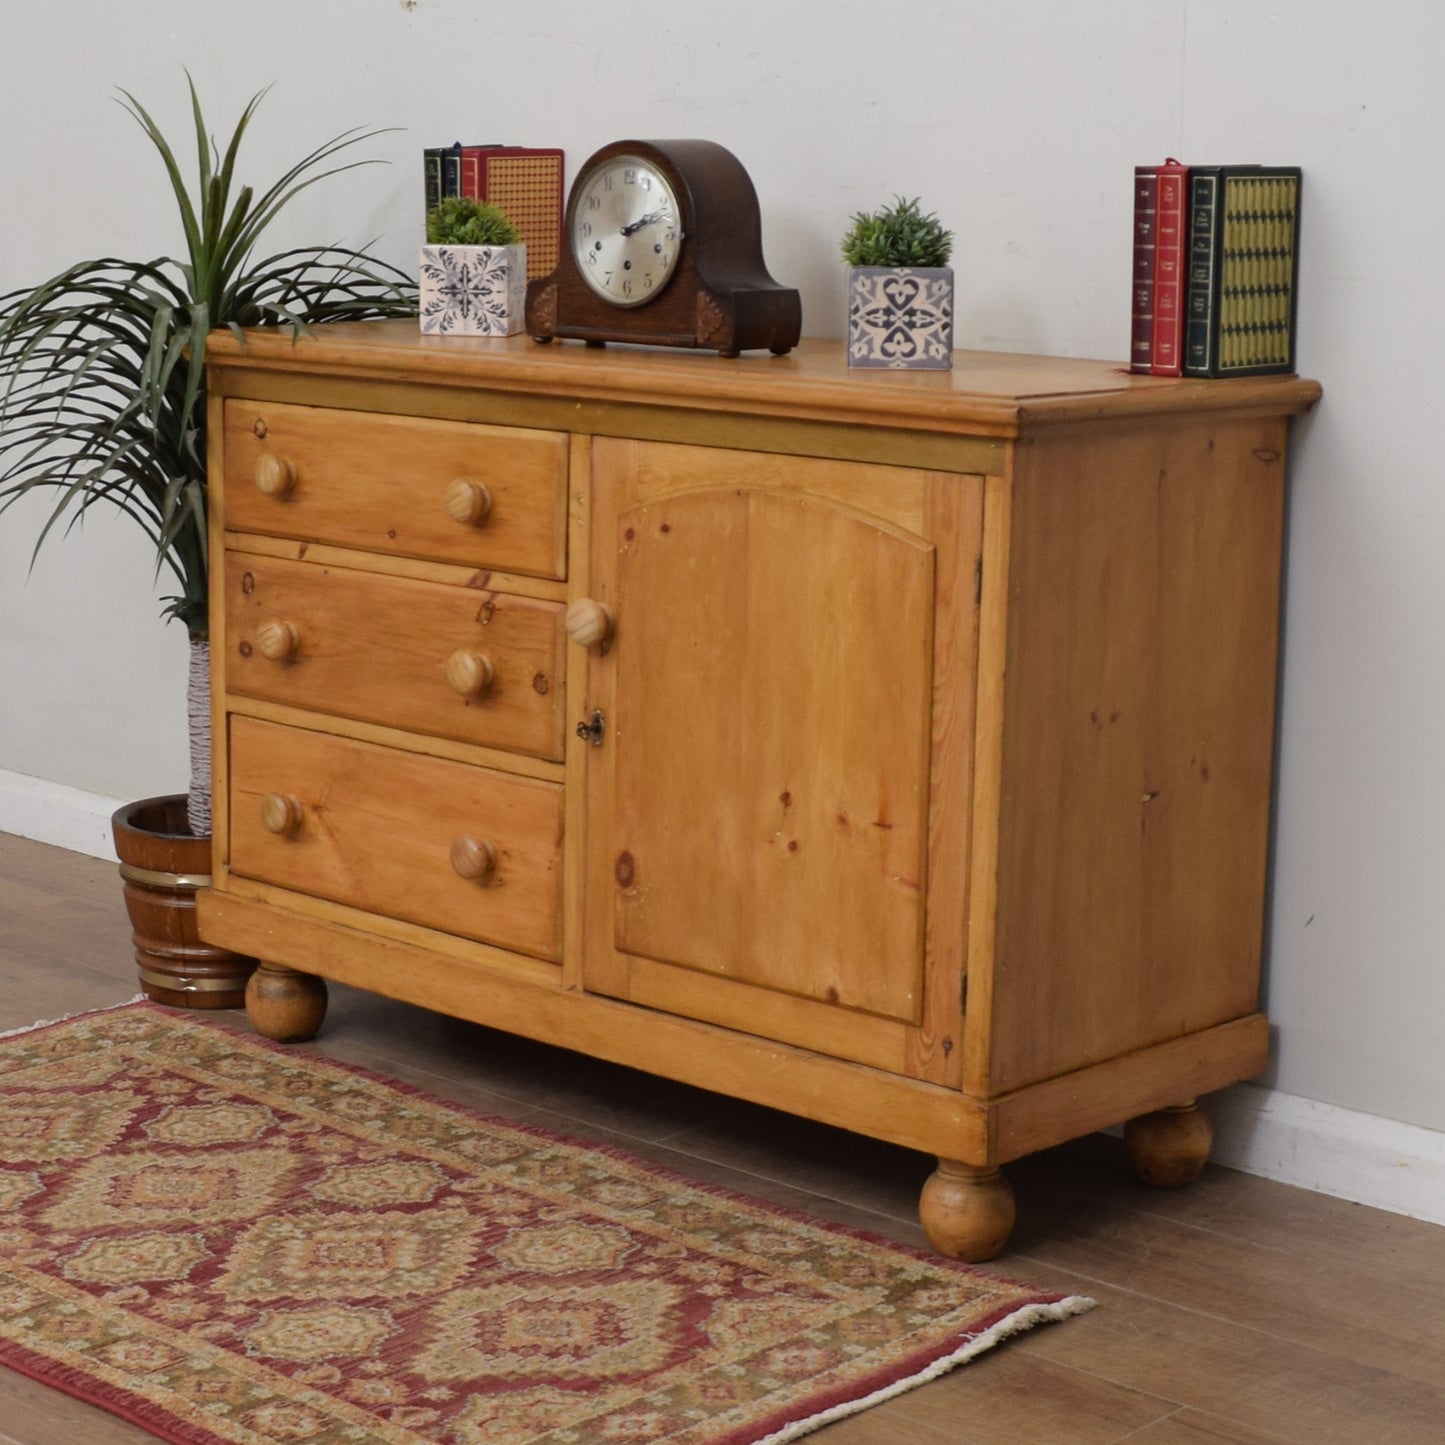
(69, 1018)
(1023, 1318)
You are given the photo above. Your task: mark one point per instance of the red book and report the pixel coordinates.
(471, 170)
(1141, 338)
(1171, 249)
(526, 182)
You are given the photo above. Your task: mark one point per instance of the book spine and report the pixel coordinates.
(431, 161)
(1201, 298)
(452, 170)
(1169, 252)
(471, 167)
(473, 171)
(1141, 336)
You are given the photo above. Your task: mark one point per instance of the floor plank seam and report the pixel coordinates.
(1041, 1344)
(1101, 1282)
(1148, 1424)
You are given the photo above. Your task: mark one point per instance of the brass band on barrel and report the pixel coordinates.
(183, 983)
(155, 879)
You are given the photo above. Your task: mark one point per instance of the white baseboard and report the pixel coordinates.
(1335, 1151)
(53, 813)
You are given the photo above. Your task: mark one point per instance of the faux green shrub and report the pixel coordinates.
(897, 235)
(462, 221)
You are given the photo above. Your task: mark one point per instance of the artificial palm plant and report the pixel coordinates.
(102, 368)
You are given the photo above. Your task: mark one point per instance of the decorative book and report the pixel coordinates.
(442, 171)
(526, 182)
(1240, 300)
(1146, 199)
(433, 167)
(1166, 352)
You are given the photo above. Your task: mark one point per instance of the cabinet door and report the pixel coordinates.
(788, 702)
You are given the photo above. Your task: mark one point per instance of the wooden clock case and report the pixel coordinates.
(719, 298)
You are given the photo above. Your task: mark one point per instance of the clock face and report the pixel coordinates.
(626, 230)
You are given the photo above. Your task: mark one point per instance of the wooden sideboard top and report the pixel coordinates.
(995, 394)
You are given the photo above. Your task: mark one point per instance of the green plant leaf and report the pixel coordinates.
(189, 223)
(896, 235)
(102, 367)
(465, 221)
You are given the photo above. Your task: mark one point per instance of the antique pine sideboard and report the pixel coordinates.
(889, 748)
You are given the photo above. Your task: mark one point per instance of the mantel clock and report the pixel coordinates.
(662, 245)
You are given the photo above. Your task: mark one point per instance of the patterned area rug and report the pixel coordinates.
(222, 1240)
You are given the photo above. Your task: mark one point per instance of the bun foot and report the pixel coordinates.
(1170, 1148)
(966, 1212)
(285, 1005)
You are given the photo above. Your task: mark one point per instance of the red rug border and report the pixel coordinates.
(153, 1419)
(782, 1426)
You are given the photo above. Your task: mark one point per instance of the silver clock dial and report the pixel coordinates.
(626, 231)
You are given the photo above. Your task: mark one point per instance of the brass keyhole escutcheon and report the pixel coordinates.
(593, 729)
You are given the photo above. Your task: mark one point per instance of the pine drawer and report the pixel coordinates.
(385, 484)
(393, 833)
(397, 651)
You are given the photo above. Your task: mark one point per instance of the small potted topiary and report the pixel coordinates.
(473, 271)
(900, 288)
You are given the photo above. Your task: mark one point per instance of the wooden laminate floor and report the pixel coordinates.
(1236, 1310)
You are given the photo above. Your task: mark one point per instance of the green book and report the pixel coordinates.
(1243, 270)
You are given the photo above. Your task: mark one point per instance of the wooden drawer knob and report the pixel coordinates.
(468, 672)
(588, 622)
(278, 640)
(281, 814)
(469, 502)
(275, 476)
(473, 859)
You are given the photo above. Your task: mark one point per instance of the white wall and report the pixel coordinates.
(1019, 123)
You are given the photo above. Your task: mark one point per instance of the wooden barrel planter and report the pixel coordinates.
(163, 865)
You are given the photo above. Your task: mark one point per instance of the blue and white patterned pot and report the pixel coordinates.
(900, 316)
(473, 290)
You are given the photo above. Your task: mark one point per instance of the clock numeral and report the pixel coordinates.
(586, 228)
(594, 201)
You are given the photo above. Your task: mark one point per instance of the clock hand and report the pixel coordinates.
(649, 219)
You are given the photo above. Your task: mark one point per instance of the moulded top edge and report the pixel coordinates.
(988, 393)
